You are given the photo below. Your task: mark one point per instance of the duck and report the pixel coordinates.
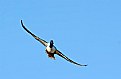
(50, 49)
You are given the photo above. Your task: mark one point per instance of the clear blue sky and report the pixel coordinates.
(87, 31)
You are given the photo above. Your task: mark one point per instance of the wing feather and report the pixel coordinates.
(63, 56)
(36, 37)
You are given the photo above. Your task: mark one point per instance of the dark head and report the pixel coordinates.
(51, 43)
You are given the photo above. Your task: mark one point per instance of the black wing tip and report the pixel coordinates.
(21, 22)
(86, 65)
(83, 65)
(23, 25)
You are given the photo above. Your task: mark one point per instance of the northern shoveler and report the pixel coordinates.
(50, 48)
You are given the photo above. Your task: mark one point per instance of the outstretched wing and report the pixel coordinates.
(63, 56)
(36, 37)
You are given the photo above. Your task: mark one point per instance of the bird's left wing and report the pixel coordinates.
(36, 37)
(63, 56)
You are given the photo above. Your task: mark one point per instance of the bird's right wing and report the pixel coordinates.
(36, 37)
(63, 56)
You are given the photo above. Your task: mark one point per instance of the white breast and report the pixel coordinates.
(50, 50)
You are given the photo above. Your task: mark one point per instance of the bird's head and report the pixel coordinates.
(51, 43)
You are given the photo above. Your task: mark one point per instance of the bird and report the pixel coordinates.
(50, 49)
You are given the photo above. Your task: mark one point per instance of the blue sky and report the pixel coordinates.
(87, 31)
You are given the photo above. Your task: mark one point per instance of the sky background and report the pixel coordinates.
(86, 31)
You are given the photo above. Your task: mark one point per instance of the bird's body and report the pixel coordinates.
(50, 49)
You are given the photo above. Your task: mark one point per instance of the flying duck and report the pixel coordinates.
(51, 50)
